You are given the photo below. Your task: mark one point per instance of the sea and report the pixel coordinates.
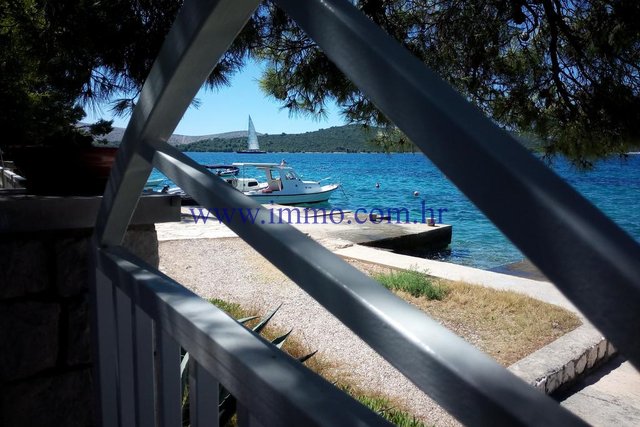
(410, 181)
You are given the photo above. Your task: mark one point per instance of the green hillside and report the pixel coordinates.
(345, 139)
(349, 139)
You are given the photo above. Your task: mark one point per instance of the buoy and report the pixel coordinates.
(416, 194)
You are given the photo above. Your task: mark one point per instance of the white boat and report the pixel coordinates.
(279, 184)
(252, 141)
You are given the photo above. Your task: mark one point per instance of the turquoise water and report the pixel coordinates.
(613, 186)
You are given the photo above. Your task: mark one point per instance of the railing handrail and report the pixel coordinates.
(231, 353)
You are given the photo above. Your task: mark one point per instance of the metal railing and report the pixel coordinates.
(142, 318)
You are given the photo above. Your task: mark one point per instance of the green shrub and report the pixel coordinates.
(413, 282)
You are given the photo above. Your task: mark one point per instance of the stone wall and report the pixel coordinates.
(45, 351)
(565, 360)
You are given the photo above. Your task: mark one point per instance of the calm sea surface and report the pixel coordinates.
(613, 186)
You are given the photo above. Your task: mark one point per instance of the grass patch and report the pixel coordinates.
(506, 325)
(377, 403)
(414, 283)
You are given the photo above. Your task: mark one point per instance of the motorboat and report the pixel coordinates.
(279, 183)
(266, 183)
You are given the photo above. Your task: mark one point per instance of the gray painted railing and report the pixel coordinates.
(142, 318)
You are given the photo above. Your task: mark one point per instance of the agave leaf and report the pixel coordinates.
(184, 371)
(279, 342)
(260, 326)
(247, 319)
(226, 410)
(184, 380)
(184, 363)
(224, 401)
(307, 357)
(223, 393)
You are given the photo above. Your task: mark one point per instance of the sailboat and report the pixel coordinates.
(252, 141)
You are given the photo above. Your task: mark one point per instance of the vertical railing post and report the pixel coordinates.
(126, 374)
(103, 331)
(203, 397)
(246, 418)
(168, 378)
(145, 388)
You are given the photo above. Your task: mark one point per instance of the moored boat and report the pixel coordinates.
(276, 183)
(279, 184)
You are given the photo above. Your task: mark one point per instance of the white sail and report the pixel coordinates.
(253, 138)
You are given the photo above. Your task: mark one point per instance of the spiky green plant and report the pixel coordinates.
(227, 404)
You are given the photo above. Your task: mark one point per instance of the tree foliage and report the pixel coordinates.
(41, 77)
(567, 71)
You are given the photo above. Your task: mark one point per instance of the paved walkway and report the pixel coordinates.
(610, 396)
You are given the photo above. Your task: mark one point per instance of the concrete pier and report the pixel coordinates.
(341, 229)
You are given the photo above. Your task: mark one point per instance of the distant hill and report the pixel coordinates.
(348, 138)
(115, 137)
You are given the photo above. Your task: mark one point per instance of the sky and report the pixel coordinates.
(227, 109)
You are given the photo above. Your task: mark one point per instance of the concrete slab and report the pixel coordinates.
(609, 397)
(334, 230)
(524, 268)
(563, 360)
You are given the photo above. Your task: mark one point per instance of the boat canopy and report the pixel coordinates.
(263, 165)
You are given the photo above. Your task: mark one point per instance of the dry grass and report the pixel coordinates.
(506, 325)
(377, 402)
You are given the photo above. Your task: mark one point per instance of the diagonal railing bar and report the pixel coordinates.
(202, 33)
(464, 380)
(277, 388)
(588, 257)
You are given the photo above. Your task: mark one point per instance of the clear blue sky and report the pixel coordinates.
(227, 109)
